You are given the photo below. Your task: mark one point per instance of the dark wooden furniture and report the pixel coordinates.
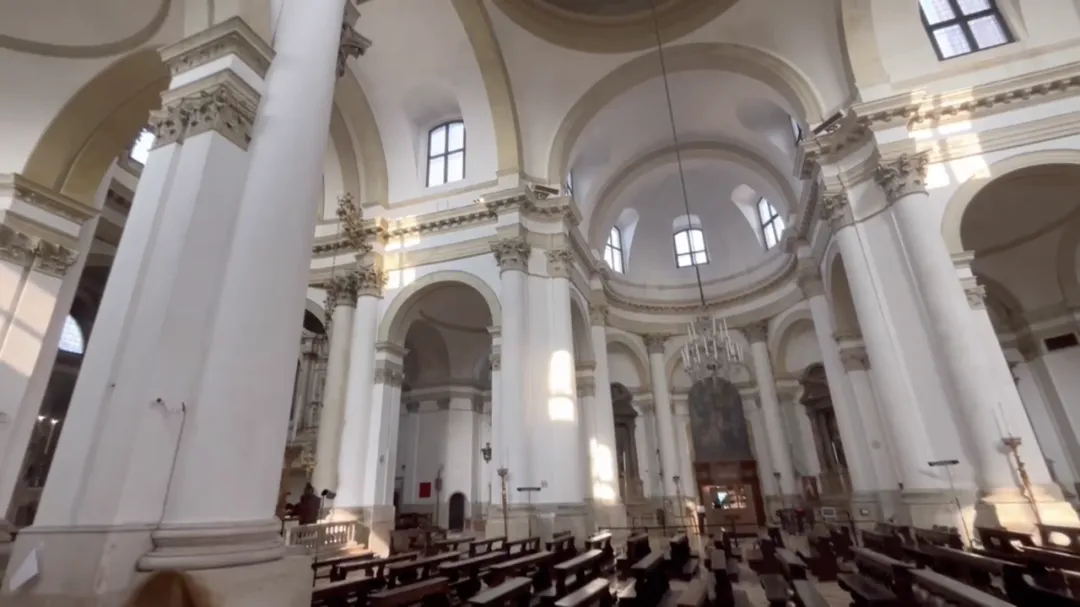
(776, 589)
(939, 537)
(375, 567)
(433, 592)
(514, 591)
(329, 567)
(881, 580)
(407, 572)
(464, 574)
(602, 542)
(536, 566)
(883, 543)
(595, 592)
(573, 572)
(561, 544)
(1003, 541)
(804, 594)
(696, 594)
(791, 566)
(483, 546)
(1068, 538)
(953, 592)
(650, 581)
(450, 544)
(345, 592)
(821, 559)
(523, 546)
(718, 566)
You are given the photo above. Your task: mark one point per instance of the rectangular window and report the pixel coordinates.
(962, 27)
(613, 250)
(772, 225)
(446, 153)
(690, 248)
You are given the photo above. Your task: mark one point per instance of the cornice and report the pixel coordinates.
(918, 109)
(37, 195)
(230, 37)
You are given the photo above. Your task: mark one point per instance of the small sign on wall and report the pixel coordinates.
(425, 490)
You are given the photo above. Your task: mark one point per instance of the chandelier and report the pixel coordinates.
(709, 351)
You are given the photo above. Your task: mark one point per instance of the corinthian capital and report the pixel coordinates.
(53, 259)
(370, 280)
(836, 208)
(855, 358)
(15, 246)
(24, 250)
(351, 217)
(654, 344)
(512, 254)
(976, 295)
(903, 176)
(223, 104)
(342, 291)
(598, 314)
(559, 262)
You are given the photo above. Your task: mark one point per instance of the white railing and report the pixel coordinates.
(327, 536)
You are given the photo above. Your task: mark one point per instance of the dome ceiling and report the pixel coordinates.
(610, 26)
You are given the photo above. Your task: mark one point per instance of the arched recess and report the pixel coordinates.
(638, 355)
(1068, 248)
(625, 176)
(786, 326)
(317, 310)
(428, 360)
(393, 326)
(838, 290)
(477, 23)
(350, 100)
(98, 51)
(804, 100)
(966, 193)
(346, 153)
(96, 125)
(581, 327)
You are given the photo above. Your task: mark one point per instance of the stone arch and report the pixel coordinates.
(430, 363)
(770, 69)
(352, 103)
(392, 327)
(489, 58)
(785, 327)
(316, 310)
(863, 54)
(96, 125)
(99, 51)
(962, 198)
(732, 152)
(640, 356)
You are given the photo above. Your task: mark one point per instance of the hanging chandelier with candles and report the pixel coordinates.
(709, 351)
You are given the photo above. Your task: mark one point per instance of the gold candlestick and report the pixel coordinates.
(1012, 443)
(506, 519)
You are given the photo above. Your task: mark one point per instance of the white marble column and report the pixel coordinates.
(857, 364)
(349, 459)
(645, 442)
(380, 447)
(806, 439)
(683, 443)
(512, 255)
(986, 397)
(495, 424)
(341, 296)
(760, 441)
(904, 421)
(770, 408)
(567, 464)
(665, 420)
(602, 450)
(849, 410)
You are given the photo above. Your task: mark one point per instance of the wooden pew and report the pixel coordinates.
(804, 594)
(1070, 537)
(376, 567)
(536, 566)
(346, 592)
(718, 566)
(903, 532)
(602, 542)
(1050, 569)
(484, 546)
(841, 540)
(681, 565)
(572, 574)
(464, 574)
(949, 538)
(953, 592)
(881, 580)
(695, 594)
(562, 544)
(407, 572)
(1003, 541)
(329, 567)
(791, 566)
(1017, 584)
(776, 589)
(883, 543)
(513, 592)
(762, 558)
(774, 534)
(650, 582)
(976, 570)
(433, 592)
(450, 544)
(637, 546)
(595, 592)
(523, 546)
(821, 559)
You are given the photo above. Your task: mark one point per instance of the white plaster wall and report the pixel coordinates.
(801, 352)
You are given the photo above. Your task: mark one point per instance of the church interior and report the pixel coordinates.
(539, 302)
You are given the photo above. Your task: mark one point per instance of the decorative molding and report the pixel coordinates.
(34, 194)
(836, 208)
(809, 279)
(560, 262)
(586, 387)
(53, 259)
(843, 137)
(391, 377)
(28, 251)
(16, 247)
(351, 218)
(512, 254)
(757, 332)
(230, 37)
(370, 280)
(495, 358)
(902, 176)
(342, 290)
(221, 102)
(854, 358)
(598, 314)
(976, 294)
(351, 44)
(654, 344)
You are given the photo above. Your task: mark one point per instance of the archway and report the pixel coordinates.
(626, 447)
(444, 328)
(834, 478)
(1022, 231)
(723, 461)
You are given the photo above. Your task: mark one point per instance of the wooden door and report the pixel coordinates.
(456, 512)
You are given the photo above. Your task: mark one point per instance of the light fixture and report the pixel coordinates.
(709, 350)
(485, 452)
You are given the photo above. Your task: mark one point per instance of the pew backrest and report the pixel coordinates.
(1060, 537)
(1003, 541)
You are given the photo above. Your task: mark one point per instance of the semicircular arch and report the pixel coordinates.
(786, 326)
(639, 356)
(392, 328)
(784, 78)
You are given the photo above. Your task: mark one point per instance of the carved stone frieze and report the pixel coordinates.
(16, 247)
(654, 343)
(902, 176)
(29, 251)
(392, 377)
(512, 254)
(757, 332)
(223, 104)
(351, 44)
(836, 208)
(34, 194)
(855, 358)
(53, 259)
(230, 37)
(560, 261)
(598, 314)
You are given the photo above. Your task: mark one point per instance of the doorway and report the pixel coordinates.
(457, 512)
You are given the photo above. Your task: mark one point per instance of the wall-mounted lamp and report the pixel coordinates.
(485, 452)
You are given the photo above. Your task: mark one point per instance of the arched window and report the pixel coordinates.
(140, 149)
(690, 248)
(613, 251)
(568, 187)
(772, 224)
(71, 338)
(962, 27)
(446, 153)
(796, 130)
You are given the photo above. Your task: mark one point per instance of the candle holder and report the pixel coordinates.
(1012, 443)
(506, 518)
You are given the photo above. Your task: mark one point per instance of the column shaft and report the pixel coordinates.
(332, 414)
(602, 443)
(349, 459)
(665, 420)
(806, 439)
(566, 463)
(512, 256)
(761, 446)
(856, 363)
(770, 407)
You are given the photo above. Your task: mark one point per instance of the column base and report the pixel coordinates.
(540, 520)
(1010, 509)
(379, 522)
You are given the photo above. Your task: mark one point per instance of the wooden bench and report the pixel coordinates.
(345, 592)
(883, 543)
(762, 558)
(805, 594)
(375, 567)
(885, 571)
(978, 571)
(562, 545)
(602, 542)
(791, 566)
(450, 544)
(1068, 538)
(776, 589)
(637, 546)
(407, 572)
(573, 573)
(948, 538)
(841, 540)
(902, 532)
(329, 567)
(718, 566)
(1003, 541)
(595, 592)
(523, 546)
(536, 566)
(484, 546)
(433, 592)
(821, 559)
(464, 574)
(775, 535)
(650, 581)
(1017, 584)
(953, 592)
(695, 594)
(514, 591)
(866, 592)
(681, 564)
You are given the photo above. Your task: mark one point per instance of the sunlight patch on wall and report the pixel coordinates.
(399, 279)
(561, 406)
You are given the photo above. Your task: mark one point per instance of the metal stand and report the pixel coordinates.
(1013, 444)
(528, 493)
(506, 517)
(948, 464)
